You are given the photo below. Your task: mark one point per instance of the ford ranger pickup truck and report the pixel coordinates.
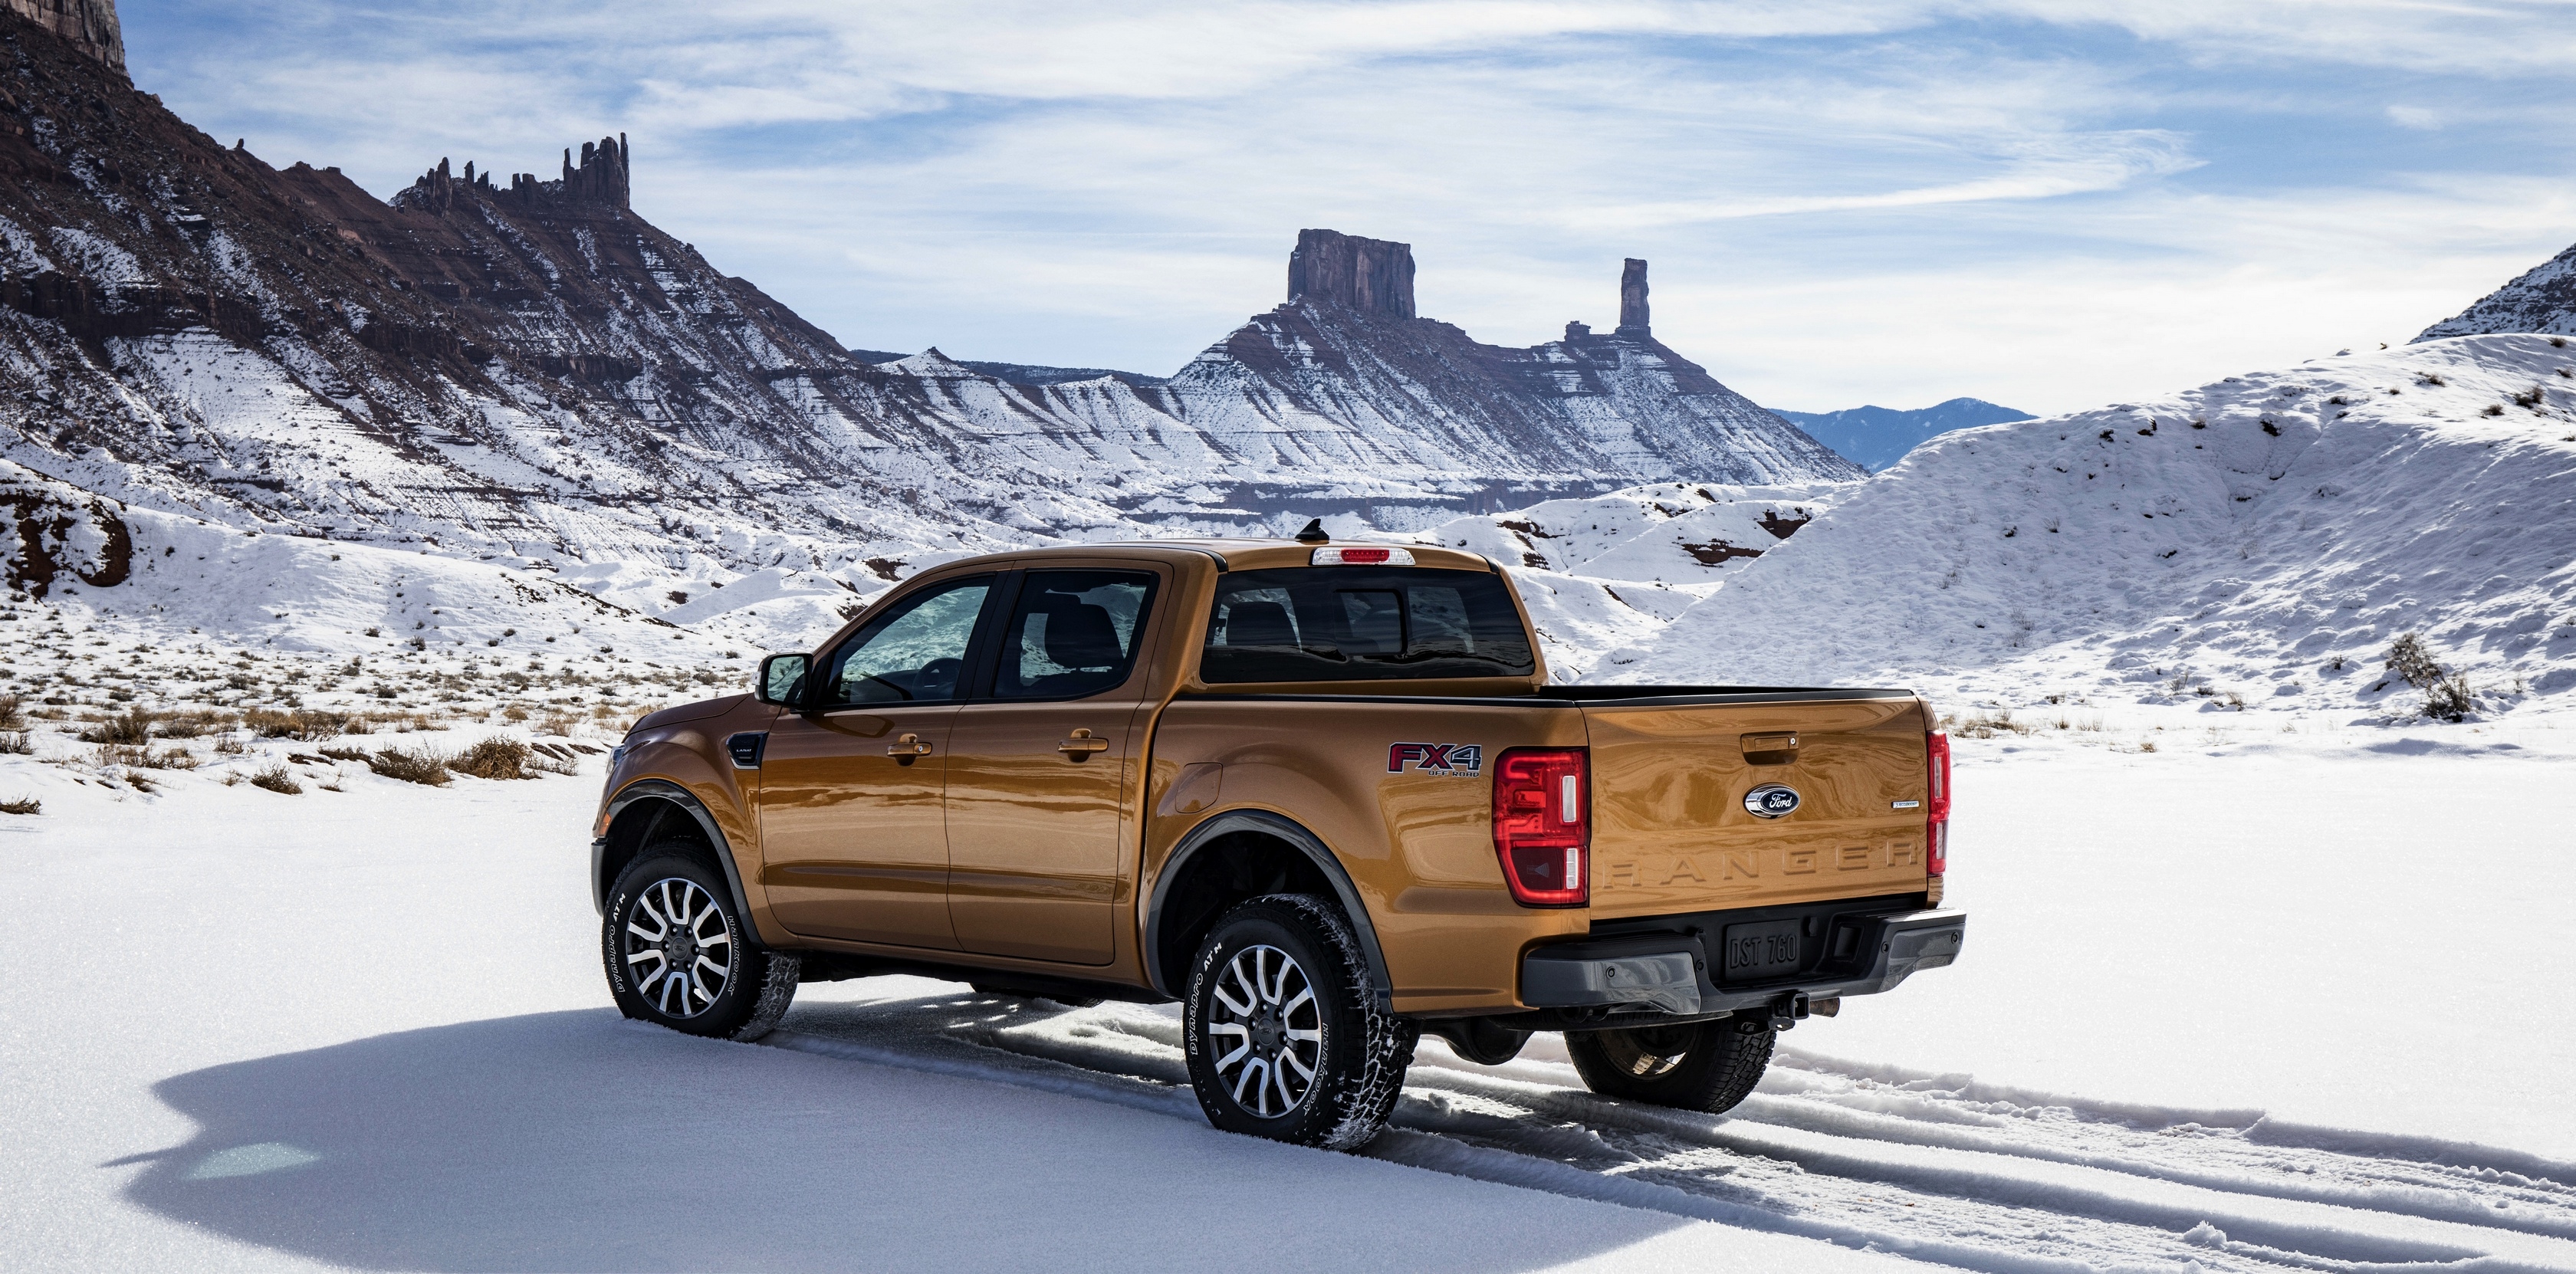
(1321, 793)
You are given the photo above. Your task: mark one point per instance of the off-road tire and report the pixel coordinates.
(1364, 1048)
(759, 983)
(1706, 1066)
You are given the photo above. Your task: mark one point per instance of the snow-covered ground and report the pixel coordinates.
(2279, 1001)
(2266, 970)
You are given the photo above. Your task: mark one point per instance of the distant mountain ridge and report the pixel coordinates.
(2542, 301)
(1346, 378)
(521, 370)
(1877, 437)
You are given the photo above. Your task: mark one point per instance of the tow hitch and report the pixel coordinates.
(1794, 1007)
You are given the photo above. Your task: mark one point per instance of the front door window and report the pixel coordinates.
(914, 654)
(852, 786)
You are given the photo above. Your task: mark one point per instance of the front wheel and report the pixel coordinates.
(1707, 1066)
(1284, 1029)
(679, 955)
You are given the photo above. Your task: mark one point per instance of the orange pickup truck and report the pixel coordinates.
(1321, 793)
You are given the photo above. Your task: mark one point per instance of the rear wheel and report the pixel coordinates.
(1706, 1066)
(1284, 1029)
(679, 955)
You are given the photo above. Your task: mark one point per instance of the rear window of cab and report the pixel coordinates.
(1363, 623)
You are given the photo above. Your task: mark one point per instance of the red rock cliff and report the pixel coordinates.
(89, 24)
(1373, 276)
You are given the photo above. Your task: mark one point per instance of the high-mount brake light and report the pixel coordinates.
(1543, 825)
(1936, 811)
(1361, 557)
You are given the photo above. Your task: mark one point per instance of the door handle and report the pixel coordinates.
(1081, 746)
(907, 748)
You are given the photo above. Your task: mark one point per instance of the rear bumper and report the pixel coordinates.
(1664, 976)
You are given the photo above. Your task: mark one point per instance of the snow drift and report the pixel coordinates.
(2267, 535)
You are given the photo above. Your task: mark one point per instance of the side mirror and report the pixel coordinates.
(782, 678)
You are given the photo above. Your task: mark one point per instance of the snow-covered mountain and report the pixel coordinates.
(1346, 378)
(1876, 437)
(525, 372)
(2542, 300)
(2262, 539)
(492, 412)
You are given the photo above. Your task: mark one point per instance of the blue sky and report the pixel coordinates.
(2046, 203)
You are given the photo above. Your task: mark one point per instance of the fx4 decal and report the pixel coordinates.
(1436, 758)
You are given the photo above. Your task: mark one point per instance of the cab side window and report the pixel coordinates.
(913, 653)
(1073, 633)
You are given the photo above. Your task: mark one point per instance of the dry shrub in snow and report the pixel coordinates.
(134, 727)
(276, 779)
(2446, 694)
(1986, 725)
(16, 743)
(142, 757)
(189, 725)
(23, 805)
(13, 713)
(494, 758)
(411, 765)
(310, 725)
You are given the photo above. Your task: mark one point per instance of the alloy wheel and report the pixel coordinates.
(1649, 1051)
(678, 947)
(1265, 1007)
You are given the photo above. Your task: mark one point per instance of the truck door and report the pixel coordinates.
(854, 838)
(1040, 766)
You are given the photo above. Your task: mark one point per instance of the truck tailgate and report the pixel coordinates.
(1670, 776)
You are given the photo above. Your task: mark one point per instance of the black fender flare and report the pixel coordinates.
(670, 793)
(1281, 828)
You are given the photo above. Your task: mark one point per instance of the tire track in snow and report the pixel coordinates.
(1939, 1168)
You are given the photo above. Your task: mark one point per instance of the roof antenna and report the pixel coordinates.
(1314, 533)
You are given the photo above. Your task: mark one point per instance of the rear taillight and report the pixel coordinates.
(1936, 817)
(1543, 825)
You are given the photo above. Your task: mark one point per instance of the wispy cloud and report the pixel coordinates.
(1989, 187)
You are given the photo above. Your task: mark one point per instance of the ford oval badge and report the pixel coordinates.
(1771, 800)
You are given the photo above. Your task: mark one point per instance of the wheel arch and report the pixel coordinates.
(637, 814)
(1208, 868)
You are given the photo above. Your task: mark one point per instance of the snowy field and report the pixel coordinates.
(2275, 1000)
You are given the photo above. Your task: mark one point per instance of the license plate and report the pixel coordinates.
(1759, 950)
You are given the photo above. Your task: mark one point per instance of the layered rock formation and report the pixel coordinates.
(1420, 416)
(527, 370)
(2542, 300)
(1364, 276)
(524, 369)
(89, 26)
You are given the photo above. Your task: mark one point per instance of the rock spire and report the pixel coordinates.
(601, 177)
(1372, 276)
(1632, 300)
(600, 180)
